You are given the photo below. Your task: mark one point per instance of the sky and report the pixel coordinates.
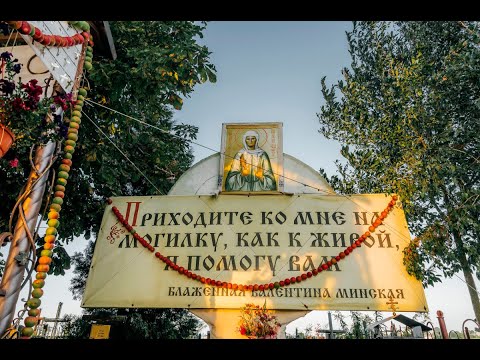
(270, 71)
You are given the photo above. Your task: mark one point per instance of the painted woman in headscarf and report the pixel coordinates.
(251, 169)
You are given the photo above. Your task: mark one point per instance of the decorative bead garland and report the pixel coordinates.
(272, 285)
(25, 28)
(55, 207)
(81, 25)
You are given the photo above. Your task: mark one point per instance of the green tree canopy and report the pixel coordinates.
(407, 115)
(139, 324)
(157, 64)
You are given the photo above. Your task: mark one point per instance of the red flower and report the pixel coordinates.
(18, 104)
(13, 163)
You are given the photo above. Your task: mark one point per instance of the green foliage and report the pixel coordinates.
(411, 260)
(157, 64)
(81, 263)
(76, 328)
(139, 324)
(358, 327)
(407, 113)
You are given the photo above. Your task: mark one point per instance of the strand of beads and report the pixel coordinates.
(277, 284)
(55, 207)
(25, 28)
(81, 25)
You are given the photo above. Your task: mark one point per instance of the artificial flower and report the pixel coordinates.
(256, 321)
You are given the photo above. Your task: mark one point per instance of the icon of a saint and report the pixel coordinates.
(251, 169)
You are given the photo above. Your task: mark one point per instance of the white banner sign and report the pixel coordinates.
(250, 249)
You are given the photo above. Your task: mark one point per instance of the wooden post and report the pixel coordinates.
(441, 322)
(330, 325)
(57, 317)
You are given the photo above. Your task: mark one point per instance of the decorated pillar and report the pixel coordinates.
(65, 63)
(21, 245)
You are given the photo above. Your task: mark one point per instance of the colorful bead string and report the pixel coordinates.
(51, 233)
(272, 285)
(25, 28)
